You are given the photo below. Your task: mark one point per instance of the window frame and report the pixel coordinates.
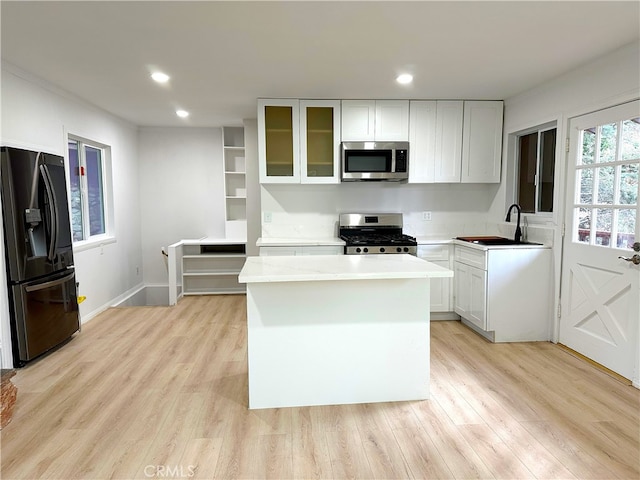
(90, 241)
(539, 129)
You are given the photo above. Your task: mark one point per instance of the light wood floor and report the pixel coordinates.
(161, 392)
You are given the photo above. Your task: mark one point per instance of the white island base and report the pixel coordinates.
(337, 329)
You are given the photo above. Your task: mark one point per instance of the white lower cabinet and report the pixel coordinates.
(302, 250)
(440, 288)
(505, 293)
(471, 294)
(212, 269)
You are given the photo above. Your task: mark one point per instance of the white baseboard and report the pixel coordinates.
(140, 295)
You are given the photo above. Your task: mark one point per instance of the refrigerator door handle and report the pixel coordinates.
(53, 208)
(52, 283)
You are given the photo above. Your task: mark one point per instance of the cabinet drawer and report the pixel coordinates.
(280, 251)
(434, 253)
(472, 257)
(302, 250)
(323, 250)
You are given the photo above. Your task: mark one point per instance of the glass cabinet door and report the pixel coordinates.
(278, 141)
(320, 141)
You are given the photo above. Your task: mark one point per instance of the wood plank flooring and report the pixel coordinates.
(161, 392)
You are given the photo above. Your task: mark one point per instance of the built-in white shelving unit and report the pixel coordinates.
(235, 182)
(212, 268)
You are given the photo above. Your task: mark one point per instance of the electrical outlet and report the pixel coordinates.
(267, 217)
(426, 216)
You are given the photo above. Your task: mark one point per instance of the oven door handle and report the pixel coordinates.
(52, 283)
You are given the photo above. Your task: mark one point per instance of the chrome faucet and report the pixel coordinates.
(518, 235)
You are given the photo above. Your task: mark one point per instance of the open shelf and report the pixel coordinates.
(235, 183)
(212, 268)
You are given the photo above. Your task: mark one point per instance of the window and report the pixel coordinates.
(87, 162)
(537, 162)
(606, 199)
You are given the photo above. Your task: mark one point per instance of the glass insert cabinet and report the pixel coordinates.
(299, 141)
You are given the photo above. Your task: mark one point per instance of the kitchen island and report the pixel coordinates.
(337, 329)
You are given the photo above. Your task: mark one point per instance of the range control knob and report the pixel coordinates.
(381, 249)
(398, 249)
(358, 250)
(365, 250)
(406, 249)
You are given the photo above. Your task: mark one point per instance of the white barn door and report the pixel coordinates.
(600, 292)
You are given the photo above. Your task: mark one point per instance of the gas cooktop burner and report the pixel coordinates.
(375, 234)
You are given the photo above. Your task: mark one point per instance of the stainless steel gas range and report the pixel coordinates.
(375, 233)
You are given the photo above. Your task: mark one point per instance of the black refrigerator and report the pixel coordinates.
(38, 252)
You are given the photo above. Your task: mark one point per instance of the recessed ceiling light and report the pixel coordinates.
(160, 77)
(404, 79)
(182, 113)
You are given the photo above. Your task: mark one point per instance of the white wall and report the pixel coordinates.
(312, 210)
(181, 191)
(37, 116)
(607, 81)
(253, 185)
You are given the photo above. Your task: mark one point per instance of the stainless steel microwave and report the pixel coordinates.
(375, 161)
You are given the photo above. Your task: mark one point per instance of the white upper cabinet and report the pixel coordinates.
(279, 141)
(375, 120)
(482, 144)
(320, 141)
(299, 141)
(392, 121)
(448, 141)
(422, 141)
(455, 141)
(358, 120)
(435, 145)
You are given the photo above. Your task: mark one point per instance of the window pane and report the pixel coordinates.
(93, 158)
(606, 176)
(586, 186)
(528, 145)
(626, 228)
(75, 194)
(584, 224)
(631, 139)
(608, 142)
(547, 169)
(604, 221)
(588, 146)
(628, 185)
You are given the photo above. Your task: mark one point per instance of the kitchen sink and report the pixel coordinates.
(495, 241)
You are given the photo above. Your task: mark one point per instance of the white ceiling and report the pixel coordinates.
(221, 56)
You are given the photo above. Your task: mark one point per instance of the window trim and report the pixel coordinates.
(539, 130)
(93, 241)
(513, 169)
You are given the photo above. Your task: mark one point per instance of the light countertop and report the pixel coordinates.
(337, 267)
(287, 242)
(519, 246)
(212, 241)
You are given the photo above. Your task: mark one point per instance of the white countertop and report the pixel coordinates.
(287, 242)
(433, 240)
(212, 241)
(337, 267)
(519, 246)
